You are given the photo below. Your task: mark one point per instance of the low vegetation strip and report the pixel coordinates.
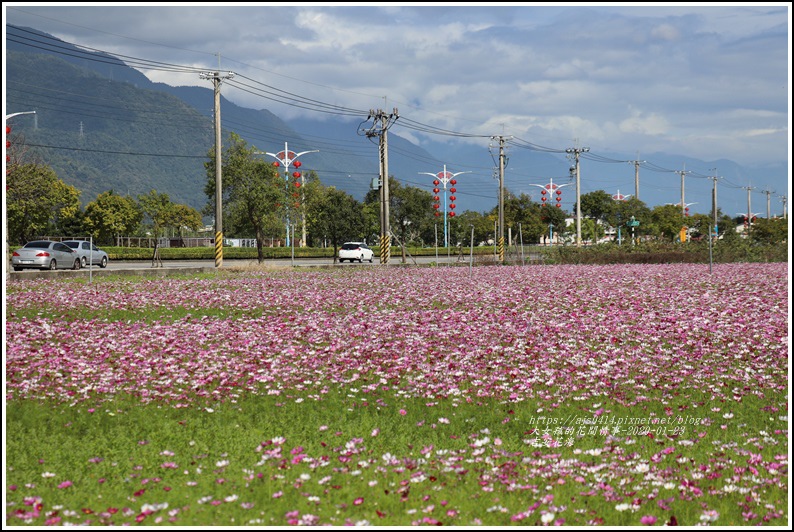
(574, 395)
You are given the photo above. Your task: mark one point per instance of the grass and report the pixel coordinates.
(116, 455)
(363, 448)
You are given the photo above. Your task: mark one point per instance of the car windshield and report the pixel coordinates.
(38, 244)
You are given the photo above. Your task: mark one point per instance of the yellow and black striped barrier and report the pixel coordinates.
(385, 249)
(501, 249)
(218, 249)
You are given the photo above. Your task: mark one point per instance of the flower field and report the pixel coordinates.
(498, 396)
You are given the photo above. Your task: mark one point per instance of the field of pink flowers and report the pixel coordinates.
(577, 364)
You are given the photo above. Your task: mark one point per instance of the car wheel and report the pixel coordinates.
(361, 259)
(53, 264)
(370, 259)
(83, 262)
(104, 262)
(76, 264)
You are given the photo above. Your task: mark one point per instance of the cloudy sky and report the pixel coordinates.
(707, 81)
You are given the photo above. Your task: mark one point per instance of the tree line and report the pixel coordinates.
(261, 202)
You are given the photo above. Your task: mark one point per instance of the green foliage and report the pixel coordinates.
(597, 205)
(661, 252)
(769, 231)
(111, 215)
(337, 217)
(37, 200)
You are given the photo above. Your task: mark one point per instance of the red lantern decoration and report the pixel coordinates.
(437, 213)
(436, 190)
(453, 182)
(437, 206)
(543, 192)
(436, 182)
(452, 214)
(543, 199)
(452, 198)
(436, 198)
(297, 164)
(559, 205)
(453, 190)
(275, 163)
(451, 205)
(297, 183)
(296, 175)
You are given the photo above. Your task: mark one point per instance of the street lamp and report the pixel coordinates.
(5, 186)
(288, 158)
(550, 189)
(621, 197)
(749, 219)
(442, 178)
(686, 207)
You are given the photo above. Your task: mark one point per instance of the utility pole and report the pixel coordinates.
(783, 201)
(500, 237)
(216, 79)
(636, 177)
(576, 152)
(683, 173)
(768, 206)
(381, 124)
(749, 210)
(714, 201)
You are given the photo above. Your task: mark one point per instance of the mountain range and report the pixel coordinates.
(103, 125)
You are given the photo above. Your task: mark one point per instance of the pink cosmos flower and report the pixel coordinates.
(65, 484)
(648, 520)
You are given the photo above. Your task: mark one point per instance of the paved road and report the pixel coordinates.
(142, 267)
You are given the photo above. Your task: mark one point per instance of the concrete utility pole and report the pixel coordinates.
(768, 206)
(714, 201)
(576, 152)
(216, 79)
(500, 237)
(636, 164)
(783, 200)
(749, 210)
(385, 121)
(683, 173)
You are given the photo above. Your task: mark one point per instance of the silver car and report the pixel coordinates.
(45, 255)
(88, 253)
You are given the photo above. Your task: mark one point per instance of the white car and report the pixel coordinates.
(355, 251)
(88, 253)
